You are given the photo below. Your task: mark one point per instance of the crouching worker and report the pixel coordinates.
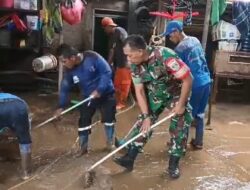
(14, 117)
(92, 75)
(162, 81)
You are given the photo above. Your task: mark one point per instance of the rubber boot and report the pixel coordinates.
(119, 142)
(173, 168)
(26, 165)
(83, 143)
(110, 146)
(110, 137)
(127, 161)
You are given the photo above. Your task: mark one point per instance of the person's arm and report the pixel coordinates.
(143, 105)
(141, 97)
(111, 56)
(185, 93)
(104, 73)
(111, 46)
(181, 72)
(66, 86)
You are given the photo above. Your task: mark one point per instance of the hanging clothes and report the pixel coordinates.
(52, 22)
(241, 17)
(218, 8)
(188, 19)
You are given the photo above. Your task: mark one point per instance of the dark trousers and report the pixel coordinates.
(107, 106)
(14, 115)
(198, 101)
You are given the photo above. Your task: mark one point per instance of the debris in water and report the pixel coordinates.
(89, 179)
(221, 183)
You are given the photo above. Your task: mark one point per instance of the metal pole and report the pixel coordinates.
(64, 112)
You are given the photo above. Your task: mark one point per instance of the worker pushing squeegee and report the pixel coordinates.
(90, 72)
(90, 173)
(162, 81)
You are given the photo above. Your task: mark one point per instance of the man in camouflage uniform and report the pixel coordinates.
(162, 81)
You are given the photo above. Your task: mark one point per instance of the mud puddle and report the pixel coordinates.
(222, 164)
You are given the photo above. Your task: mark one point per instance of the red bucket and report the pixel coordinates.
(7, 3)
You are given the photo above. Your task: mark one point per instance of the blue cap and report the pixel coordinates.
(173, 26)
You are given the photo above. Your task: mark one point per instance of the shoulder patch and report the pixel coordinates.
(173, 64)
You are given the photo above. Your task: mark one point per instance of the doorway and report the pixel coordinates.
(100, 38)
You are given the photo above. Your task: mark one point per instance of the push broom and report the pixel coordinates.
(64, 112)
(90, 173)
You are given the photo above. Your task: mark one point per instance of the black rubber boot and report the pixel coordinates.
(173, 168)
(118, 142)
(127, 161)
(110, 146)
(83, 146)
(82, 150)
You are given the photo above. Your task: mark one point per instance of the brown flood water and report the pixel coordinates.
(223, 164)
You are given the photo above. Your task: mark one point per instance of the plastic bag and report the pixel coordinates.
(72, 11)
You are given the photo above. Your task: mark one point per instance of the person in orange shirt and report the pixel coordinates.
(116, 58)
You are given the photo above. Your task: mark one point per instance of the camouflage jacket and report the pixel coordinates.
(161, 76)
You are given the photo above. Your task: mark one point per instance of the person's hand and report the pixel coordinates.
(179, 109)
(146, 124)
(58, 113)
(95, 94)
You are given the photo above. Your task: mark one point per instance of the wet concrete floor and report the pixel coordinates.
(223, 164)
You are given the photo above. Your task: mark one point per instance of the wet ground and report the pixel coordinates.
(223, 164)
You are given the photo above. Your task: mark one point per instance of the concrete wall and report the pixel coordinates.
(80, 35)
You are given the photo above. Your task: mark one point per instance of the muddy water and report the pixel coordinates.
(50, 142)
(222, 164)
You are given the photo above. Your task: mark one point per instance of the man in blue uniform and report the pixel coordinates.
(189, 49)
(14, 118)
(93, 75)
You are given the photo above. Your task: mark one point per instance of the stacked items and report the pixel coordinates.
(227, 36)
(26, 4)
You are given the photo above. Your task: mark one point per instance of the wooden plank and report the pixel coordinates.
(204, 45)
(60, 66)
(206, 24)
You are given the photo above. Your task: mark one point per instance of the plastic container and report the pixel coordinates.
(44, 63)
(32, 22)
(25, 4)
(225, 31)
(227, 46)
(7, 3)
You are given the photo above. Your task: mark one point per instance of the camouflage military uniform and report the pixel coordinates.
(161, 76)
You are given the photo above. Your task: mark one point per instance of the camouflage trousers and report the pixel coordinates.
(178, 130)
